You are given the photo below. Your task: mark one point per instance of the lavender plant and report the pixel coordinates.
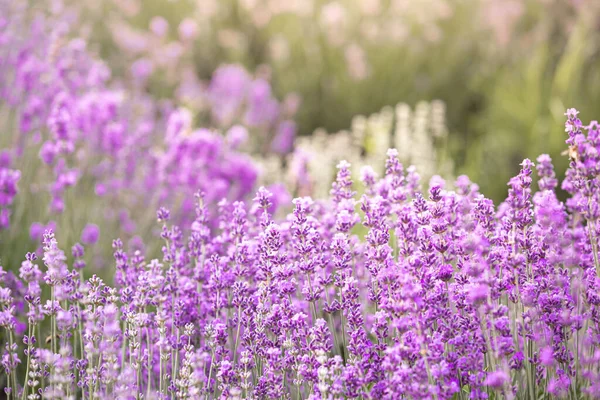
(446, 296)
(75, 135)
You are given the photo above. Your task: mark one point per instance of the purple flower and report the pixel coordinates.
(227, 91)
(263, 109)
(497, 379)
(36, 230)
(283, 142)
(8, 185)
(159, 26)
(237, 135)
(90, 234)
(142, 69)
(478, 293)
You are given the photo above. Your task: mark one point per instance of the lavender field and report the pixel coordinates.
(255, 199)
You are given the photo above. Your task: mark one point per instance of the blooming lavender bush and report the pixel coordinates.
(445, 296)
(380, 290)
(73, 135)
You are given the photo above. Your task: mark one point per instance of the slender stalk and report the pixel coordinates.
(53, 330)
(592, 235)
(8, 385)
(148, 363)
(160, 374)
(91, 384)
(237, 334)
(424, 355)
(312, 303)
(29, 333)
(176, 363)
(162, 331)
(343, 323)
(212, 360)
(42, 380)
(331, 324)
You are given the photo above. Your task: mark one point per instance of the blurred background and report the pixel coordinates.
(506, 70)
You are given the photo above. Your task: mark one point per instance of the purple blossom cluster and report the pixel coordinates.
(92, 132)
(399, 293)
(9, 178)
(234, 96)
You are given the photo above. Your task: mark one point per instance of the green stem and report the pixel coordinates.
(24, 395)
(176, 363)
(237, 335)
(148, 363)
(212, 360)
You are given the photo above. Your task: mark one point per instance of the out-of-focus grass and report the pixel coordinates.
(527, 101)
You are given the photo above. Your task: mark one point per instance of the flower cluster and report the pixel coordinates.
(73, 132)
(9, 178)
(385, 289)
(234, 96)
(398, 293)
